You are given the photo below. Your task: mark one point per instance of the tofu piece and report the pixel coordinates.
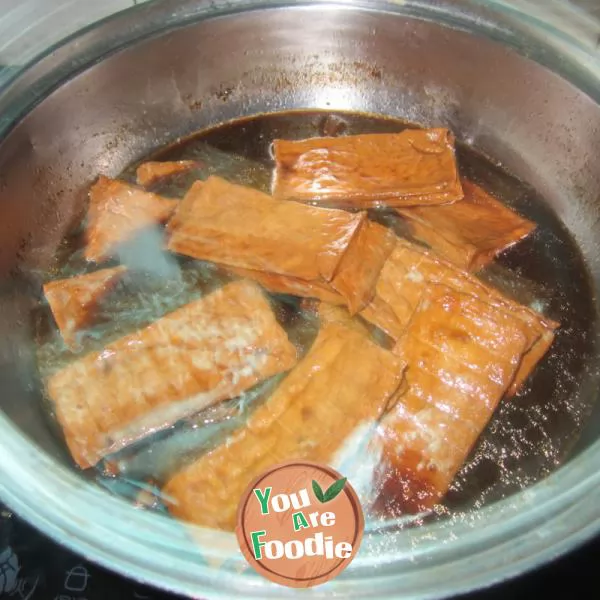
(117, 212)
(344, 382)
(153, 172)
(415, 167)
(207, 351)
(361, 264)
(354, 282)
(73, 301)
(282, 284)
(462, 353)
(330, 313)
(409, 271)
(238, 226)
(242, 228)
(470, 233)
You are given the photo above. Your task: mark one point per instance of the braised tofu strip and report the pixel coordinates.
(462, 353)
(206, 351)
(117, 212)
(152, 172)
(469, 233)
(409, 271)
(237, 226)
(354, 283)
(361, 265)
(415, 167)
(381, 357)
(332, 313)
(283, 284)
(343, 382)
(243, 228)
(73, 301)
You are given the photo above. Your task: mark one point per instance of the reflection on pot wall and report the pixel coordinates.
(28, 27)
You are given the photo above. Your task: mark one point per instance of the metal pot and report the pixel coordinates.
(509, 84)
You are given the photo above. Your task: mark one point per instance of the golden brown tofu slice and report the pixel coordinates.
(408, 272)
(462, 354)
(343, 382)
(356, 276)
(361, 264)
(239, 226)
(282, 284)
(243, 228)
(207, 351)
(332, 313)
(73, 301)
(415, 167)
(535, 353)
(470, 233)
(153, 172)
(117, 212)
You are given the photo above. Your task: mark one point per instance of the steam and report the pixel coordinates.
(358, 459)
(146, 253)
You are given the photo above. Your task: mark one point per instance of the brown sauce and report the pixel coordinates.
(529, 435)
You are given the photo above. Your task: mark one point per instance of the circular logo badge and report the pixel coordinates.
(300, 524)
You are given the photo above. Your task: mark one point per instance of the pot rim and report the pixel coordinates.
(436, 560)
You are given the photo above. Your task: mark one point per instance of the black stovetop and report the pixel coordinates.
(32, 567)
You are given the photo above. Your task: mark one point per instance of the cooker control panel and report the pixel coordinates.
(32, 567)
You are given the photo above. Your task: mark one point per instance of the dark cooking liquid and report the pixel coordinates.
(529, 435)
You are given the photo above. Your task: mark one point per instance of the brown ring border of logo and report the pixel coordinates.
(332, 473)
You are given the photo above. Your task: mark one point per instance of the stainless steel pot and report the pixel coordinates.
(511, 85)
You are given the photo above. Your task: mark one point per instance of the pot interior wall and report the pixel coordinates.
(538, 126)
